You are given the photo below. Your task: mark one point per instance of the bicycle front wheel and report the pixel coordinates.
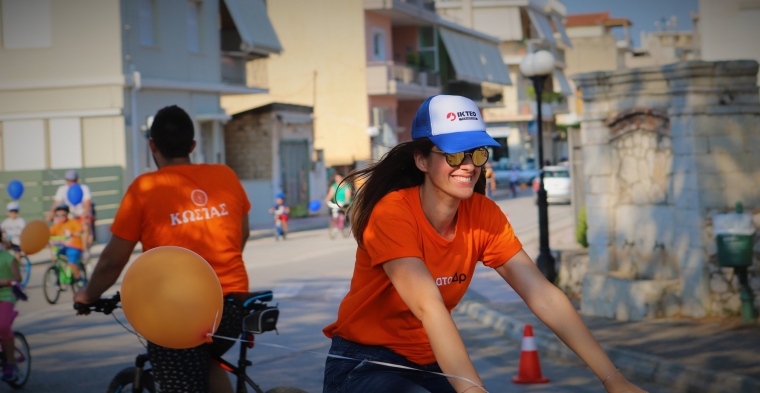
(123, 381)
(51, 285)
(26, 270)
(23, 360)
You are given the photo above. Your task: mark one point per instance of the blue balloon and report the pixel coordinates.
(75, 194)
(315, 205)
(15, 189)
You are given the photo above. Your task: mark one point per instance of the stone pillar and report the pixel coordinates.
(664, 148)
(715, 123)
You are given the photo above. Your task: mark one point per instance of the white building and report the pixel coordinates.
(523, 26)
(80, 80)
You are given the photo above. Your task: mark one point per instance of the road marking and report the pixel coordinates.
(337, 291)
(287, 291)
(312, 255)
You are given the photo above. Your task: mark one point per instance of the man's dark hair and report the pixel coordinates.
(172, 132)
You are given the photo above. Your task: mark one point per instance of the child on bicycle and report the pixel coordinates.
(66, 238)
(280, 211)
(12, 227)
(10, 275)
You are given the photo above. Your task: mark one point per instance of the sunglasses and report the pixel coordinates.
(479, 156)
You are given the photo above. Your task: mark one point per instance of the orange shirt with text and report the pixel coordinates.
(373, 313)
(71, 229)
(199, 207)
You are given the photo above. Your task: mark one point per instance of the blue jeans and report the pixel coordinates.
(350, 376)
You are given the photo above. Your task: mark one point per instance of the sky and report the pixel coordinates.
(642, 13)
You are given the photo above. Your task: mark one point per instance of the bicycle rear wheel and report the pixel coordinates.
(23, 360)
(332, 230)
(51, 286)
(125, 379)
(26, 270)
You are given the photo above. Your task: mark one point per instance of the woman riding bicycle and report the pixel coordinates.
(422, 223)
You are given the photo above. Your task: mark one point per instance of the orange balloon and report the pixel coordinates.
(34, 237)
(172, 297)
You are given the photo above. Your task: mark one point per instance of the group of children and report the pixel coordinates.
(66, 238)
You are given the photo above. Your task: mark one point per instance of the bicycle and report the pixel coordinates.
(23, 358)
(25, 267)
(261, 318)
(60, 275)
(338, 221)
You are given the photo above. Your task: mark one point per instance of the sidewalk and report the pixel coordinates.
(682, 354)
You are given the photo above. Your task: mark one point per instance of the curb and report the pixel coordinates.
(637, 366)
(264, 233)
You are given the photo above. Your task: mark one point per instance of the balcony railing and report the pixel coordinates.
(239, 68)
(401, 79)
(412, 75)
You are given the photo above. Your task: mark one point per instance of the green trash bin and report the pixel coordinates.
(734, 250)
(733, 234)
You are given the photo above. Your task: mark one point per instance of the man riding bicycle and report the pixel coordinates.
(201, 207)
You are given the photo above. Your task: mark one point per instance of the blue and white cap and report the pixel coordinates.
(453, 123)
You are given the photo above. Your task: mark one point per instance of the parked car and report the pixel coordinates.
(557, 184)
(503, 169)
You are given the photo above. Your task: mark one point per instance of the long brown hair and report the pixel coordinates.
(395, 171)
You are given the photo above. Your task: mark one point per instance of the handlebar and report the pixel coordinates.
(104, 305)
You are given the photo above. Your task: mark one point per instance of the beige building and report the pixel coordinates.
(366, 67)
(595, 46)
(665, 46)
(80, 80)
(729, 29)
(522, 26)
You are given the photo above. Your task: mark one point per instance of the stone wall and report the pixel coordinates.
(664, 148)
(248, 145)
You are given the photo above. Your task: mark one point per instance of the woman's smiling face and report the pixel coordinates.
(459, 181)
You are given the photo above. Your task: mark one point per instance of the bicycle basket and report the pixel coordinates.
(260, 321)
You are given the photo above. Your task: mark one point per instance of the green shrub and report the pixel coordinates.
(582, 228)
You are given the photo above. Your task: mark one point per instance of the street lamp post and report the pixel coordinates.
(538, 66)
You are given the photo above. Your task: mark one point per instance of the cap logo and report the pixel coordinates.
(451, 116)
(466, 115)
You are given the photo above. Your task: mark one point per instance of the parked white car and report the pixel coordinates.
(557, 183)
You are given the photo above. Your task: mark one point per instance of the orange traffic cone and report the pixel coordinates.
(530, 369)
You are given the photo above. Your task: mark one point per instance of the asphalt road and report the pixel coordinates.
(310, 274)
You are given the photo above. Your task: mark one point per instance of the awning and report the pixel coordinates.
(254, 26)
(542, 25)
(561, 84)
(561, 29)
(295, 118)
(475, 60)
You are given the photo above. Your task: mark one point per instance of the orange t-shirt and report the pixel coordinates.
(373, 313)
(199, 207)
(71, 229)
